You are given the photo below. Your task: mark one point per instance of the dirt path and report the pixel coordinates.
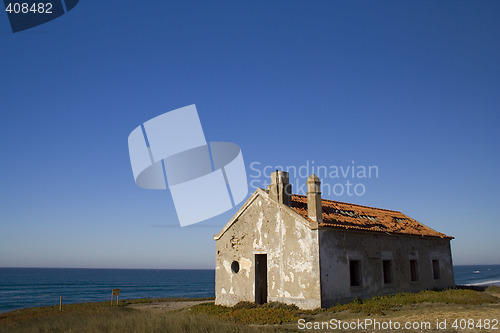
(166, 306)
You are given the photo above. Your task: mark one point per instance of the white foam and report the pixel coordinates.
(485, 283)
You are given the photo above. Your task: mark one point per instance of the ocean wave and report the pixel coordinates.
(484, 283)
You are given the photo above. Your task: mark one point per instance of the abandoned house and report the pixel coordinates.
(313, 252)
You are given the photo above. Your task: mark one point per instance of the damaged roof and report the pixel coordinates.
(343, 215)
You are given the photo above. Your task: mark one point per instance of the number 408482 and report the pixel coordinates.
(25, 8)
(487, 324)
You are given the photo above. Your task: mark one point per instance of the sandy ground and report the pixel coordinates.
(166, 306)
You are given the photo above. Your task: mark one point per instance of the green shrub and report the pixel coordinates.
(245, 305)
(251, 313)
(279, 305)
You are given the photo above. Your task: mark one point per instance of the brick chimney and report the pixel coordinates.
(314, 209)
(280, 189)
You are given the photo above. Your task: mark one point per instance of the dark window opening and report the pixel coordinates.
(387, 266)
(355, 272)
(414, 270)
(235, 267)
(435, 269)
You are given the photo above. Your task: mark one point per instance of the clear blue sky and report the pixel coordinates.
(411, 87)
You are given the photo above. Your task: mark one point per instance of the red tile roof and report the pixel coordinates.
(350, 216)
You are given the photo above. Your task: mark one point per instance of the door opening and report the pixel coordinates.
(261, 278)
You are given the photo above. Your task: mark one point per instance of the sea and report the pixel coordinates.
(33, 287)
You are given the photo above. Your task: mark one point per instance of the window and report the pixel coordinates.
(355, 272)
(435, 269)
(387, 266)
(414, 270)
(235, 267)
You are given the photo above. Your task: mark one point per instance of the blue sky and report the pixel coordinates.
(410, 87)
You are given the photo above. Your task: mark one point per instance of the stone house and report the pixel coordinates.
(313, 252)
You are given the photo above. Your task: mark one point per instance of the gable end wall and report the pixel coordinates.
(292, 249)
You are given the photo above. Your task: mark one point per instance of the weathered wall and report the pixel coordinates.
(265, 227)
(337, 247)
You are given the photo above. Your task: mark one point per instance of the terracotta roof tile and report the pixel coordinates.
(343, 215)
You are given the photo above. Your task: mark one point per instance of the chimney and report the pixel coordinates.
(314, 209)
(280, 189)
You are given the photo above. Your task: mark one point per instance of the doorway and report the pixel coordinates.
(261, 278)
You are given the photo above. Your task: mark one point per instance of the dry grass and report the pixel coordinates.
(100, 317)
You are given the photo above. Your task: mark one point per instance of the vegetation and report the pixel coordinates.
(128, 320)
(99, 308)
(251, 313)
(493, 289)
(101, 317)
(243, 317)
(278, 313)
(382, 304)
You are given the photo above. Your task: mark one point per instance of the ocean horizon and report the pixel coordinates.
(33, 287)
